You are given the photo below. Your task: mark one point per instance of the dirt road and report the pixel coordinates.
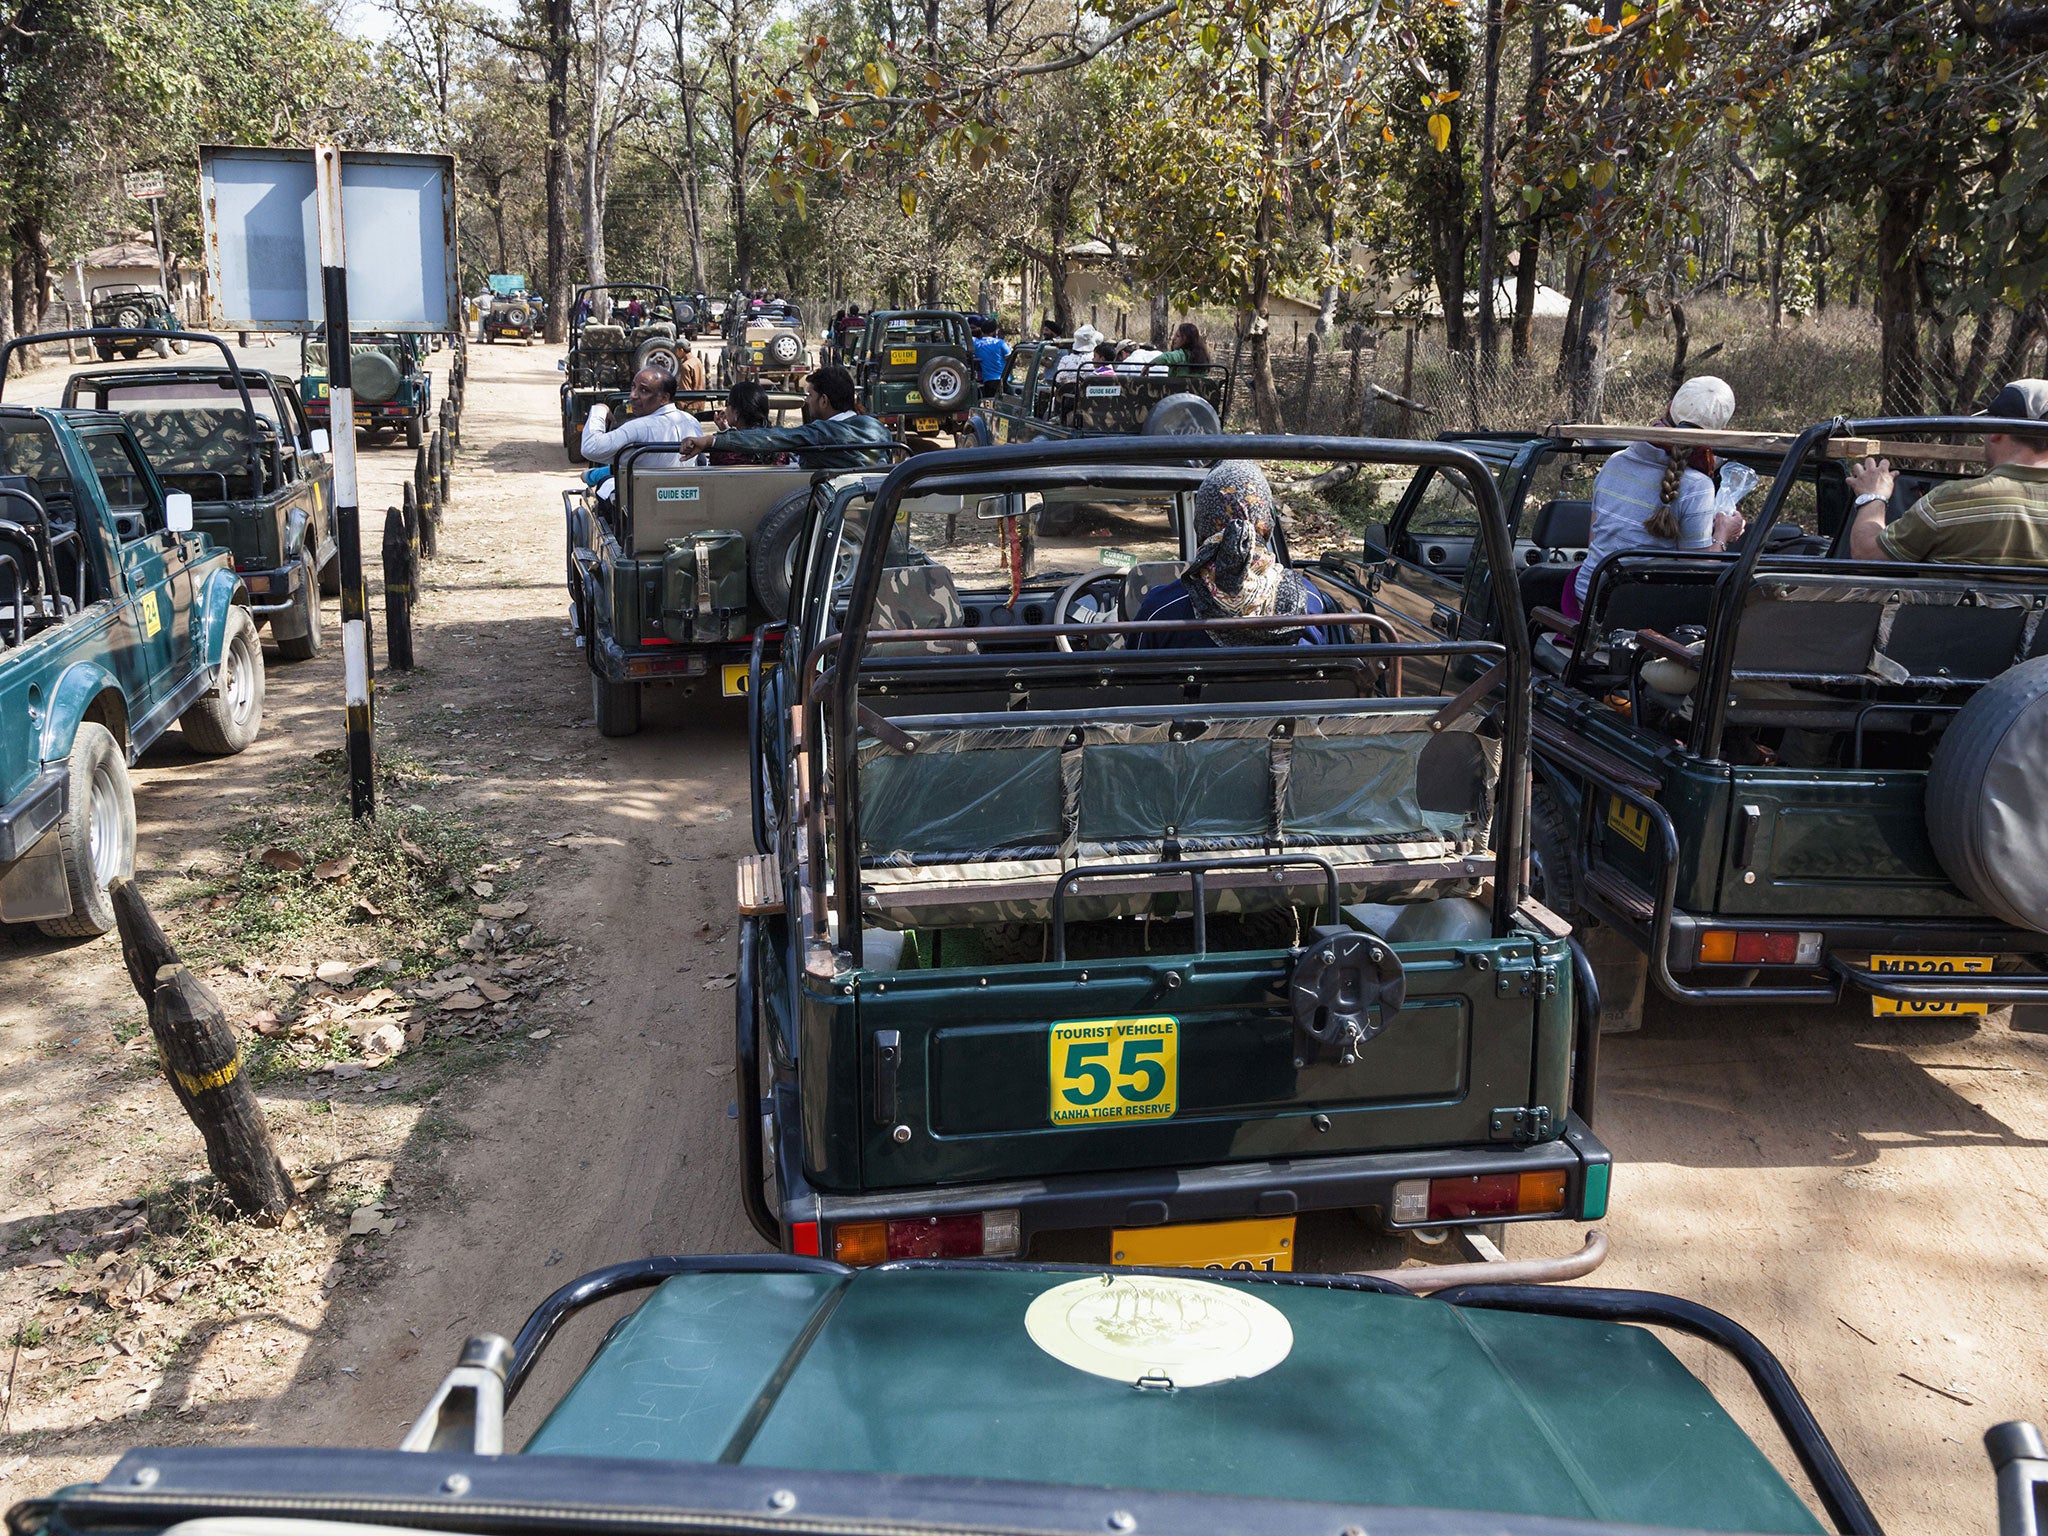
(1865, 1196)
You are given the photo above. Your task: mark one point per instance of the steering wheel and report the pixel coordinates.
(1093, 597)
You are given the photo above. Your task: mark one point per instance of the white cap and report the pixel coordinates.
(1085, 338)
(1705, 402)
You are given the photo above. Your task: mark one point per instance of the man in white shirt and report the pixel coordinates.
(654, 419)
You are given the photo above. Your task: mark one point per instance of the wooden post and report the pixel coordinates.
(423, 483)
(203, 1062)
(399, 568)
(444, 464)
(420, 526)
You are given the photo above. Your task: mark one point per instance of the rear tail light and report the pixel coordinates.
(1479, 1197)
(1730, 946)
(975, 1235)
(803, 1238)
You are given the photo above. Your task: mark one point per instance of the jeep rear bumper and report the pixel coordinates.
(1221, 1192)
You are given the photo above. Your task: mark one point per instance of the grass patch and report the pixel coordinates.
(308, 876)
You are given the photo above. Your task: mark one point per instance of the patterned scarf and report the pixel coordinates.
(1236, 572)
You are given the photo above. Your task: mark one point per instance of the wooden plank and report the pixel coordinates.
(760, 885)
(1770, 442)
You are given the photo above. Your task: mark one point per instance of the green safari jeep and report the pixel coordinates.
(762, 1393)
(138, 320)
(1778, 773)
(1063, 921)
(241, 445)
(917, 373)
(394, 392)
(117, 621)
(673, 571)
(1039, 398)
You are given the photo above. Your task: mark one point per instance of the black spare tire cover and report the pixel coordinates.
(1987, 797)
(943, 383)
(1181, 415)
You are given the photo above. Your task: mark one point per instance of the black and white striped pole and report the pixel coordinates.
(341, 421)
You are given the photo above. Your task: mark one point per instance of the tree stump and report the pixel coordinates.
(203, 1062)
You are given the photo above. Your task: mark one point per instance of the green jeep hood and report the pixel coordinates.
(1381, 1400)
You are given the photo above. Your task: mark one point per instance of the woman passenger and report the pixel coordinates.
(746, 409)
(1649, 496)
(1236, 572)
(1187, 349)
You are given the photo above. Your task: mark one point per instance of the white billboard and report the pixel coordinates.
(263, 240)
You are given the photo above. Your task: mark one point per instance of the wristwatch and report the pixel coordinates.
(1868, 496)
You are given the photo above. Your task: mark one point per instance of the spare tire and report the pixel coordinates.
(786, 348)
(686, 313)
(1987, 800)
(1181, 415)
(944, 383)
(374, 375)
(657, 352)
(771, 550)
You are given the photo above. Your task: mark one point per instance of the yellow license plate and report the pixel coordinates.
(927, 423)
(1266, 1243)
(1628, 821)
(1929, 965)
(1108, 1071)
(902, 357)
(320, 391)
(733, 679)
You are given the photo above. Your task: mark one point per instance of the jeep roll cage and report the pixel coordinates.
(831, 690)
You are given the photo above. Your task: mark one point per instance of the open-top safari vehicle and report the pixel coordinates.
(608, 345)
(765, 341)
(394, 392)
(139, 319)
(1054, 930)
(1038, 400)
(673, 569)
(239, 443)
(512, 310)
(755, 1393)
(1776, 773)
(916, 372)
(117, 620)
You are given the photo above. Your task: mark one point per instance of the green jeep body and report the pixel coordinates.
(113, 627)
(976, 844)
(1661, 821)
(917, 373)
(261, 488)
(140, 320)
(1032, 403)
(394, 393)
(605, 350)
(766, 1392)
(765, 341)
(673, 571)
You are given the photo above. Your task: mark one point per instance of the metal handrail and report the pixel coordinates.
(1196, 870)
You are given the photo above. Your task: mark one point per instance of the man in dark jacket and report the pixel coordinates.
(834, 434)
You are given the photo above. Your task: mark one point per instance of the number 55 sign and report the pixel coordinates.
(1108, 1070)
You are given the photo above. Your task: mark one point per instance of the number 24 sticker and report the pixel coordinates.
(1108, 1070)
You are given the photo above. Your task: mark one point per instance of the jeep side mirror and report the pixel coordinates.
(322, 443)
(178, 511)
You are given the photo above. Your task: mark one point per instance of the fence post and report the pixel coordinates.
(399, 571)
(423, 482)
(437, 470)
(203, 1062)
(419, 529)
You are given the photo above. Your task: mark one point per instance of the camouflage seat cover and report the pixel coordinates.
(605, 338)
(976, 823)
(203, 442)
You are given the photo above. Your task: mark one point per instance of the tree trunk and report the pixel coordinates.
(1532, 230)
(561, 34)
(693, 191)
(1489, 216)
(1161, 319)
(203, 1063)
(2025, 325)
(1574, 316)
(1265, 399)
(1588, 372)
(1898, 233)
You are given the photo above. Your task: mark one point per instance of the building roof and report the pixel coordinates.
(124, 253)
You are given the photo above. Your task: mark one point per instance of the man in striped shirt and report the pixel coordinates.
(1998, 518)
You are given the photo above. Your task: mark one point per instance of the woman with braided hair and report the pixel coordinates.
(1236, 572)
(1655, 497)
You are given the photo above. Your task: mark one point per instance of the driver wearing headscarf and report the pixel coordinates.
(1236, 572)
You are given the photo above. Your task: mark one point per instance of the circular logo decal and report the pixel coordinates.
(1159, 1331)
